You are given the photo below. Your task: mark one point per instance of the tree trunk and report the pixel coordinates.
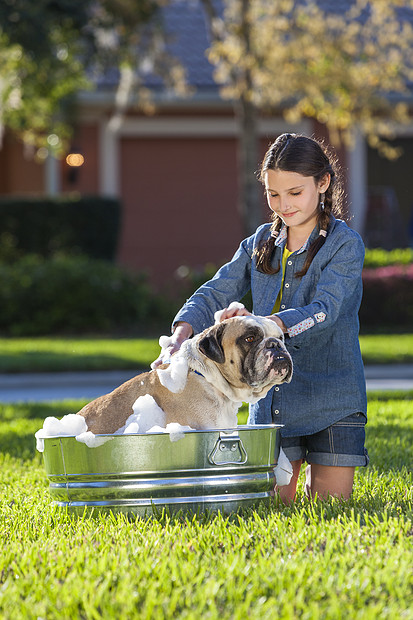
(249, 188)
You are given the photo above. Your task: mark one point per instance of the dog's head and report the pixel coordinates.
(250, 354)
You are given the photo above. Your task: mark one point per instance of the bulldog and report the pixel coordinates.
(235, 361)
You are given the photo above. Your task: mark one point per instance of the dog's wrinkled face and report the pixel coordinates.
(250, 352)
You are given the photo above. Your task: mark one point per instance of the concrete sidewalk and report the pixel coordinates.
(44, 387)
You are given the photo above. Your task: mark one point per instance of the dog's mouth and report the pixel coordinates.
(275, 367)
(280, 369)
(278, 364)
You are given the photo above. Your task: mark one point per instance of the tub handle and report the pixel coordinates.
(228, 451)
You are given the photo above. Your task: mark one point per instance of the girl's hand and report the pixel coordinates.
(172, 344)
(279, 322)
(234, 309)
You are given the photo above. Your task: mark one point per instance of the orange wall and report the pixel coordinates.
(19, 172)
(180, 203)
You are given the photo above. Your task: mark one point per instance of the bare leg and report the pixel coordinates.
(287, 492)
(325, 480)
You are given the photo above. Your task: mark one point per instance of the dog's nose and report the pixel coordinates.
(273, 343)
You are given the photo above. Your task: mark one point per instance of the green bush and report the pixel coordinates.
(72, 224)
(382, 258)
(70, 294)
(76, 294)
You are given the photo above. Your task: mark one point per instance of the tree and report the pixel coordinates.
(52, 49)
(346, 69)
(129, 37)
(39, 54)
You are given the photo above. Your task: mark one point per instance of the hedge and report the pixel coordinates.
(67, 294)
(376, 257)
(387, 297)
(86, 225)
(70, 294)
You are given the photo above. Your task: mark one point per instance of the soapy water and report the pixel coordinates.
(147, 417)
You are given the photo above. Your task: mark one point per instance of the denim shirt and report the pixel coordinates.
(320, 312)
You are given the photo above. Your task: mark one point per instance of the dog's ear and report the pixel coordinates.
(210, 345)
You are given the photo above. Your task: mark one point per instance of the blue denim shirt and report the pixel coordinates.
(320, 312)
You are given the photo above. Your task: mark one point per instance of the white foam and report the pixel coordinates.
(92, 440)
(164, 342)
(146, 414)
(147, 417)
(70, 425)
(174, 377)
(283, 470)
(176, 431)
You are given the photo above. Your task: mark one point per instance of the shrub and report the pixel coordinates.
(85, 225)
(67, 294)
(381, 258)
(387, 297)
(188, 279)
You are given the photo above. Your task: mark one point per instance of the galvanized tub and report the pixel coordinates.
(140, 475)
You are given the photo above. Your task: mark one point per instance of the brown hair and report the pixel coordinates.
(308, 157)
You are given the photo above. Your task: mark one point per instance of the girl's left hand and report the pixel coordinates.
(234, 309)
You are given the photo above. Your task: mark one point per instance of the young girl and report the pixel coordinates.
(304, 272)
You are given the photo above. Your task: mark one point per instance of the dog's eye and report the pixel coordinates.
(249, 339)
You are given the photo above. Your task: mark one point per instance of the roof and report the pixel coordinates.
(188, 41)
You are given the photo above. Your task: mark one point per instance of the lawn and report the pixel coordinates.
(61, 354)
(311, 560)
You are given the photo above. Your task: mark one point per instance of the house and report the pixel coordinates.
(176, 171)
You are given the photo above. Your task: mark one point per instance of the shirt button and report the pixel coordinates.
(282, 307)
(276, 412)
(290, 262)
(287, 285)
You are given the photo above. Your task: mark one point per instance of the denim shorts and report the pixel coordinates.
(339, 445)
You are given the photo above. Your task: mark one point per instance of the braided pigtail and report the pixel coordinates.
(323, 222)
(264, 253)
(308, 157)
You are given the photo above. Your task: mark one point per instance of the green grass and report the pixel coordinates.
(65, 354)
(311, 560)
(387, 348)
(69, 354)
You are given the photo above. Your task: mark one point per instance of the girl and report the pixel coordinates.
(304, 272)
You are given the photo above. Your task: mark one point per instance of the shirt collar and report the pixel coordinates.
(281, 238)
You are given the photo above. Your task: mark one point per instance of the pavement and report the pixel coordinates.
(58, 386)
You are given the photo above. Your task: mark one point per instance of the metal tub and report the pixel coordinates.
(142, 474)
